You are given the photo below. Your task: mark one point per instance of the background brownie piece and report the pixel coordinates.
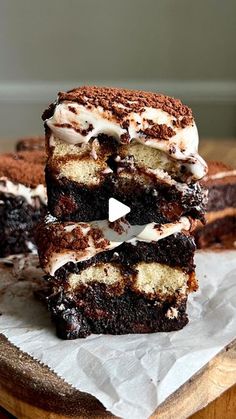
(31, 144)
(22, 200)
(221, 208)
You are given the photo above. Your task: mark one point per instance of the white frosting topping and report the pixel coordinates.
(113, 237)
(84, 123)
(18, 189)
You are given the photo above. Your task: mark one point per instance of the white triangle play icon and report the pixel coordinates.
(117, 210)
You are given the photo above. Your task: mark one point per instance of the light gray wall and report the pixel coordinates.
(182, 46)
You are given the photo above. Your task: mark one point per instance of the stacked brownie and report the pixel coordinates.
(220, 225)
(22, 200)
(133, 275)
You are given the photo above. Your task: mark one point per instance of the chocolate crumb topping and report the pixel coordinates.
(72, 109)
(99, 240)
(117, 226)
(160, 131)
(182, 123)
(122, 102)
(69, 237)
(26, 167)
(59, 238)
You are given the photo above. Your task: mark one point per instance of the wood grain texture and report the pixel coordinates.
(215, 378)
(29, 390)
(223, 407)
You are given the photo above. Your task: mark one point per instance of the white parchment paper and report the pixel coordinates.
(131, 375)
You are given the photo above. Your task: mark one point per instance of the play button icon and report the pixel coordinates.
(117, 210)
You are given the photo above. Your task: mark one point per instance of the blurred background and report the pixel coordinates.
(184, 48)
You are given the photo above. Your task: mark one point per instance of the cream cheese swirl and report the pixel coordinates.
(75, 123)
(112, 236)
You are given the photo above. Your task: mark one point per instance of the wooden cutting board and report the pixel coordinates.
(29, 390)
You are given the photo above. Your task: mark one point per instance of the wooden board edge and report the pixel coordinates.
(23, 410)
(204, 387)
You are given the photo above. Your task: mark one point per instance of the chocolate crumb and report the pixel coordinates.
(129, 101)
(72, 109)
(158, 131)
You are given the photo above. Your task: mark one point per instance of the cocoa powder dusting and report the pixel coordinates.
(26, 167)
(160, 131)
(130, 100)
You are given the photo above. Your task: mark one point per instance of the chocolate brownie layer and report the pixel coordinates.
(93, 310)
(31, 144)
(69, 200)
(18, 219)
